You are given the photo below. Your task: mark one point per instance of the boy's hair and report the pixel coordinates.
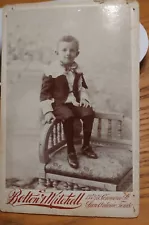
(69, 38)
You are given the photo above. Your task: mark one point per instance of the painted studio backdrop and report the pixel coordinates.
(105, 59)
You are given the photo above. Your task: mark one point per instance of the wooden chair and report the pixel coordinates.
(114, 162)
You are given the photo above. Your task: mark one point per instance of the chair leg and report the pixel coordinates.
(48, 183)
(41, 177)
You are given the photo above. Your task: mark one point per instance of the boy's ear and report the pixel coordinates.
(56, 52)
(78, 53)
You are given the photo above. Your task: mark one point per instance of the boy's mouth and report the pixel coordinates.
(68, 58)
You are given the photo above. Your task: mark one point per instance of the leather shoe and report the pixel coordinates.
(88, 151)
(72, 160)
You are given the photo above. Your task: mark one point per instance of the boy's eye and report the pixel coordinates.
(65, 50)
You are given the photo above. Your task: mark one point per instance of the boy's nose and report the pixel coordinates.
(68, 53)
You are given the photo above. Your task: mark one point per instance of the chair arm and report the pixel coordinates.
(43, 153)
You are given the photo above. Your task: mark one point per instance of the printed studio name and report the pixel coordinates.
(58, 200)
(67, 200)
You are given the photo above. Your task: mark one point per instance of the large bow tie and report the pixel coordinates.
(72, 67)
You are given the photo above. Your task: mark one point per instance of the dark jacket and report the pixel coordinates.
(56, 87)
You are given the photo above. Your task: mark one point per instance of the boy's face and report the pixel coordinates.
(67, 52)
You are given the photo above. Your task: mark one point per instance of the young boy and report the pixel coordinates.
(64, 96)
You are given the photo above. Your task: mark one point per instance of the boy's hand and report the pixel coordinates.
(49, 117)
(85, 103)
(75, 103)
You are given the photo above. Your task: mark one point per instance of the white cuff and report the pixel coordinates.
(46, 106)
(84, 94)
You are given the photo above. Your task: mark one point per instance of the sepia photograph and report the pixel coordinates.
(69, 99)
